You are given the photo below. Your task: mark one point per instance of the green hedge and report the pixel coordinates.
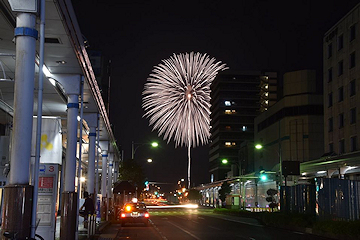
(339, 229)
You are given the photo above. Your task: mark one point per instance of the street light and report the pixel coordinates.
(259, 146)
(134, 147)
(149, 160)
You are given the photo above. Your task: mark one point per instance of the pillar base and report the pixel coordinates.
(69, 211)
(17, 209)
(104, 215)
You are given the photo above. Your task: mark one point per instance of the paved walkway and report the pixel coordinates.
(82, 231)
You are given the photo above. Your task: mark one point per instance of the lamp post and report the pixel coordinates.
(238, 165)
(135, 146)
(259, 147)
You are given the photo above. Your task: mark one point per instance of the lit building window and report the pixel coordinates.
(227, 111)
(228, 127)
(227, 103)
(233, 111)
(229, 144)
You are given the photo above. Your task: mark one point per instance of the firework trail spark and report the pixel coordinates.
(176, 98)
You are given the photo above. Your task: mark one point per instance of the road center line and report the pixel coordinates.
(184, 230)
(238, 221)
(214, 227)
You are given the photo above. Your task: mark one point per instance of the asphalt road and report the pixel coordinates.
(201, 224)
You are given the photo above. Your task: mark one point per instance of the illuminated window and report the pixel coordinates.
(228, 127)
(227, 103)
(233, 111)
(229, 144)
(227, 111)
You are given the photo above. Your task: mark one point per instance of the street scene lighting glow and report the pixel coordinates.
(224, 161)
(258, 146)
(154, 144)
(263, 177)
(149, 160)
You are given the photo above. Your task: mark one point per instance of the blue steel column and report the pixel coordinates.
(110, 181)
(103, 185)
(17, 214)
(91, 163)
(110, 175)
(69, 208)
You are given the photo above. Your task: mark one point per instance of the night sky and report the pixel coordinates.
(273, 35)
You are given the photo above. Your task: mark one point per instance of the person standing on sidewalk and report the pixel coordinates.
(89, 208)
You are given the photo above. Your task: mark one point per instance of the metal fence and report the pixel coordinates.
(337, 199)
(298, 199)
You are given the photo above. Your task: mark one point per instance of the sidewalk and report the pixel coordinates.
(82, 232)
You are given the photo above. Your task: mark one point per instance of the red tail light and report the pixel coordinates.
(123, 215)
(147, 215)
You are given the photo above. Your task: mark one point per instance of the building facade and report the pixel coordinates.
(236, 99)
(341, 47)
(292, 129)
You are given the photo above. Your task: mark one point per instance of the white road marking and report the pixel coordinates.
(214, 227)
(160, 233)
(299, 233)
(238, 221)
(184, 230)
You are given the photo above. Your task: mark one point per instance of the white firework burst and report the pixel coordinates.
(176, 98)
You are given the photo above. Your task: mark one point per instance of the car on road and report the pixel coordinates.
(134, 212)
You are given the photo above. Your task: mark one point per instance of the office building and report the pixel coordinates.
(236, 99)
(292, 129)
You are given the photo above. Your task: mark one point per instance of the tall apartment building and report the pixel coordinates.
(236, 99)
(292, 129)
(341, 53)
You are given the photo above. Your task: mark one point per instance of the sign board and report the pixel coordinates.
(290, 168)
(47, 198)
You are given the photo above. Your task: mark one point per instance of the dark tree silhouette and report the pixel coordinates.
(224, 191)
(131, 171)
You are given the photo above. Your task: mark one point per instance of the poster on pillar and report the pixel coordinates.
(51, 140)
